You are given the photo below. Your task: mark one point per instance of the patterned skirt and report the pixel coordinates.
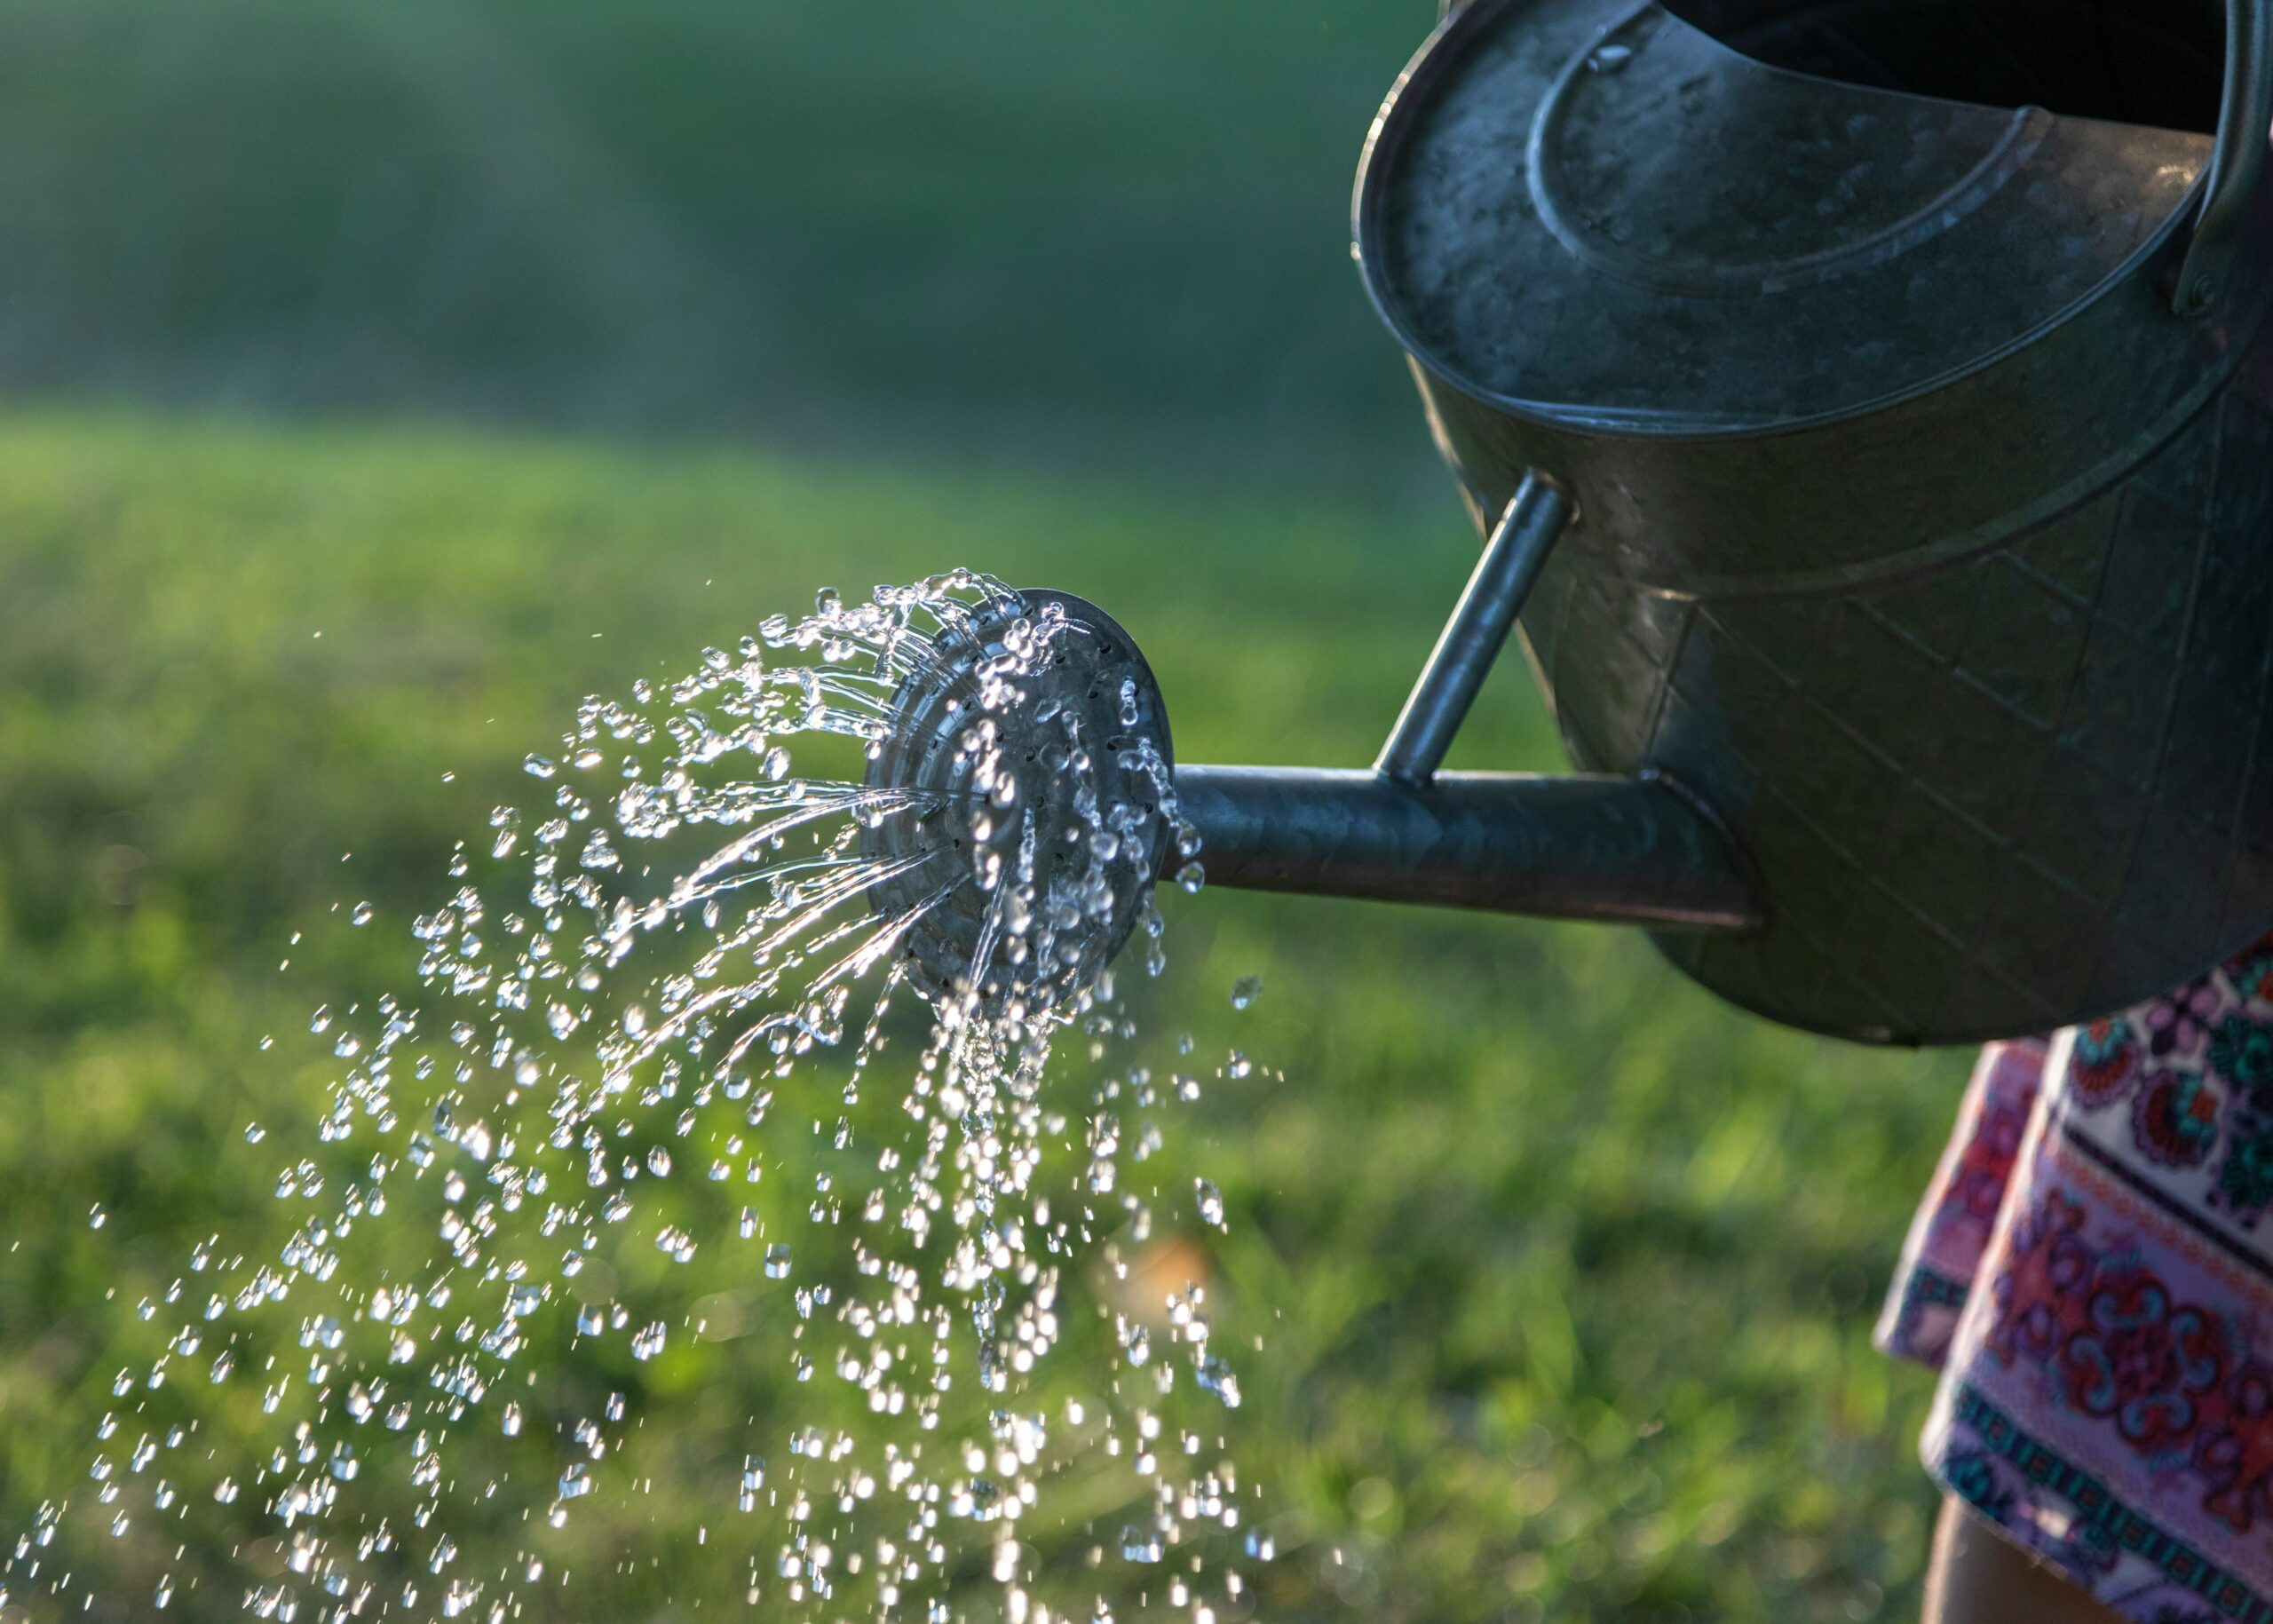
(2091, 1272)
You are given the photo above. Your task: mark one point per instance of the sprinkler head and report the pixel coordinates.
(1027, 768)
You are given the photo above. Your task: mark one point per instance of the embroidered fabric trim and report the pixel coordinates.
(2091, 1273)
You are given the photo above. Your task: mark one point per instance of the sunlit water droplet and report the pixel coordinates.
(1211, 1203)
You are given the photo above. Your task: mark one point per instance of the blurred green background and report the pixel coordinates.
(382, 378)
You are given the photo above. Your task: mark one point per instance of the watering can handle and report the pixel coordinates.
(2237, 161)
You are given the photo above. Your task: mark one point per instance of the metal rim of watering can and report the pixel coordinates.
(2192, 249)
(2230, 181)
(1084, 677)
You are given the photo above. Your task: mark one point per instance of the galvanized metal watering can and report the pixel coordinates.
(1882, 482)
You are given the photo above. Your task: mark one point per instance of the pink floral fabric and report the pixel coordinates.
(2092, 1274)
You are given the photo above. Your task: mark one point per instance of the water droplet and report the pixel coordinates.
(776, 1261)
(1192, 876)
(1245, 991)
(1211, 1203)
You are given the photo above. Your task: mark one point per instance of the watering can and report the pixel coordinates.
(1878, 469)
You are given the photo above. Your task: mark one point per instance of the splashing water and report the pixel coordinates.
(918, 827)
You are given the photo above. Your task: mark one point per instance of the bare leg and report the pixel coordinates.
(1977, 1577)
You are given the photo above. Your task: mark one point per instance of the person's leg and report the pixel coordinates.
(1979, 1577)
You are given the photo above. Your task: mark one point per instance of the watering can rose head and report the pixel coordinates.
(1031, 803)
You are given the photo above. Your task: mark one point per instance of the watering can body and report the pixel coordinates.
(1882, 482)
(1919, 463)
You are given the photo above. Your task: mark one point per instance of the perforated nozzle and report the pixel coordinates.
(1027, 780)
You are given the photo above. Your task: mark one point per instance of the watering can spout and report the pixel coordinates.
(1627, 850)
(1638, 850)
(1110, 813)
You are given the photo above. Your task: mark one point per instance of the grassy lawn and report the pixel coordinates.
(1113, 234)
(1564, 1274)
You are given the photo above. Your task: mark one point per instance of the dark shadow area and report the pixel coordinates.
(2133, 61)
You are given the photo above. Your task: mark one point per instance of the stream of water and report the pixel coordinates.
(666, 1066)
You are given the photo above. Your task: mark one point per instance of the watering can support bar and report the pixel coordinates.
(1634, 850)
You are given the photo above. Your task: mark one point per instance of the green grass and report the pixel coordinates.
(1564, 1272)
(1011, 229)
